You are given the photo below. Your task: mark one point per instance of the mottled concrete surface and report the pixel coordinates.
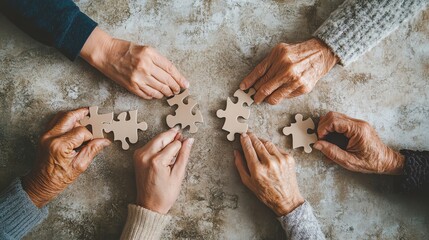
(215, 44)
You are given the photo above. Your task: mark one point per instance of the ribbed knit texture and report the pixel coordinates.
(18, 214)
(358, 25)
(144, 224)
(416, 172)
(301, 224)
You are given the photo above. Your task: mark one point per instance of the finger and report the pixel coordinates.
(269, 75)
(298, 92)
(335, 122)
(55, 119)
(335, 153)
(170, 152)
(141, 94)
(282, 93)
(259, 147)
(159, 86)
(242, 169)
(170, 69)
(249, 152)
(179, 168)
(166, 78)
(151, 92)
(75, 137)
(271, 148)
(67, 122)
(160, 141)
(256, 74)
(271, 86)
(88, 152)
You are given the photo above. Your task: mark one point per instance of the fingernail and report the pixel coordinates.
(187, 84)
(317, 146)
(176, 128)
(191, 141)
(244, 134)
(242, 87)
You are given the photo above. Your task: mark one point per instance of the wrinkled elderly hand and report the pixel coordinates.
(269, 174)
(290, 70)
(139, 69)
(59, 162)
(365, 151)
(160, 168)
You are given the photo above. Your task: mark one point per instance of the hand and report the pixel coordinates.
(365, 151)
(290, 70)
(270, 174)
(160, 168)
(58, 161)
(139, 69)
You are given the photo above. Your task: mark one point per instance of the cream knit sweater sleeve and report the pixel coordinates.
(358, 25)
(143, 224)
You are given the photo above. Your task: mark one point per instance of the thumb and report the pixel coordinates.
(88, 152)
(334, 153)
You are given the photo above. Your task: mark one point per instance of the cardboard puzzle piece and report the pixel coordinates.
(234, 111)
(97, 121)
(184, 115)
(300, 137)
(126, 129)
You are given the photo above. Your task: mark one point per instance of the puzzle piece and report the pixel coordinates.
(97, 121)
(124, 128)
(233, 111)
(184, 115)
(300, 137)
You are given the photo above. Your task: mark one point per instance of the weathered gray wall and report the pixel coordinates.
(215, 44)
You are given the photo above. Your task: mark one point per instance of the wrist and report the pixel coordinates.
(289, 205)
(329, 55)
(397, 163)
(33, 189)
(154, 207)
(96, 48)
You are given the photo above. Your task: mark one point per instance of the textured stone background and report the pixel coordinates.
(215, 44)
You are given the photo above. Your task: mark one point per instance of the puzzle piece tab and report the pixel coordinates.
(234, 111)
(300, 137)
(184, 115)
(97, 121)
(124, 129)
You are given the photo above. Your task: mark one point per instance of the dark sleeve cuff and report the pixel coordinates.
(18, 214)
(416, 172)
(77, 34)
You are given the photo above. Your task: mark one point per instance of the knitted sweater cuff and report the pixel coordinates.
(416, 171)
(301, 224)
(18, 214)
(144, 224)
(357, 26)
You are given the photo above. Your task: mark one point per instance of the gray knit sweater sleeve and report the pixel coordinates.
(18, 214)
(301, 224)
(358, 25)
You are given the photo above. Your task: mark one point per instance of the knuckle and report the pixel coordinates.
(80, 166)
(265, 91)
(55, 145)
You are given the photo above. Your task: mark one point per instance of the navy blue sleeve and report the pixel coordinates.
(416, 172)
(57, 23)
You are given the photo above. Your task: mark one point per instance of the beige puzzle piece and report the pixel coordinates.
(184, 115)
(234, 111)
(97, 121)
(300, 137)
(124, 128)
